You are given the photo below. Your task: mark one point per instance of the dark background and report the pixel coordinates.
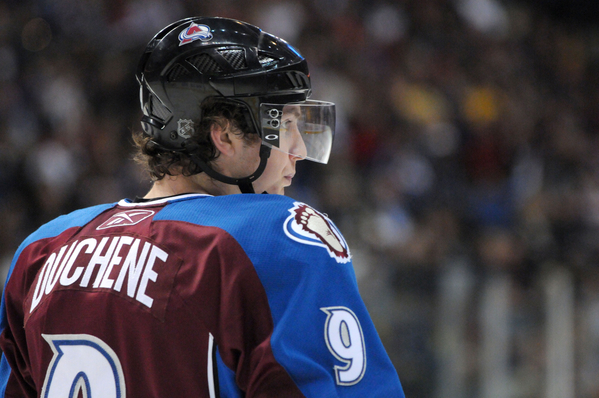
(464, 175)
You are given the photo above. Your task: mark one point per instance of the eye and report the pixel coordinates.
(285, 124)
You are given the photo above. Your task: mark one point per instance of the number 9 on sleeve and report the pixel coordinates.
(345, 340)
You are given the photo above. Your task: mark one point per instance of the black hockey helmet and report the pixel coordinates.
(198, 58)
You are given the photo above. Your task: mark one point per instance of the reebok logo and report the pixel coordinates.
(125, 218)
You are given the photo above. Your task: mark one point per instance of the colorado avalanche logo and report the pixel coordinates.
(194, 32)
(308, 226)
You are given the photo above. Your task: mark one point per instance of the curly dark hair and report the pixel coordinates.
(159, 162)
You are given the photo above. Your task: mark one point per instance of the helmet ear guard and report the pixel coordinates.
(199, 58)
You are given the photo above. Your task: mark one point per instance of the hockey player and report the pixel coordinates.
(197, 290)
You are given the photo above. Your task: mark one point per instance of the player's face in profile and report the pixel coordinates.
(280, 168)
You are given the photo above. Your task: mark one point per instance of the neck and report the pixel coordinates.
(199, 183)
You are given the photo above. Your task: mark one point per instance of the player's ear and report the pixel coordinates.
(222, 138)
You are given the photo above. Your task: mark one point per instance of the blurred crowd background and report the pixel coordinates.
(465, 172)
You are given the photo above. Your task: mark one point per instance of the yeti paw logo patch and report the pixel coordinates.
(308, 226)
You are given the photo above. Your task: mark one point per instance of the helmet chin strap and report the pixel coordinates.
(244, 183)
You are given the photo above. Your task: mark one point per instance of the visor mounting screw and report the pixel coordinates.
(173, 135)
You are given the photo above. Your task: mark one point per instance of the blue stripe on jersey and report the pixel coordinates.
(226, 380)
(54, 228)
(299, 280)
(4, 375)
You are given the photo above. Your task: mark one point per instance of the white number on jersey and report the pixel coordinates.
(82, 363)
(344, 337)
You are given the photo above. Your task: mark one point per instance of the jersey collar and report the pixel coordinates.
(157, 201)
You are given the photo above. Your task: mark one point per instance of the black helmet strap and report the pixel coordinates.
(244, 183)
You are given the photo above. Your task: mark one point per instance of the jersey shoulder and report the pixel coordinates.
(77, 218)
(274, 223)
(57, 226)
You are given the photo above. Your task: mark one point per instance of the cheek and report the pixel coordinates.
(272, 180)
(274, 167)
(277, 160)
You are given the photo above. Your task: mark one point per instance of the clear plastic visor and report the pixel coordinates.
(304, 130)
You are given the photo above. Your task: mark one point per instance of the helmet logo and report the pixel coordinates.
(185, 128)
(194, 32)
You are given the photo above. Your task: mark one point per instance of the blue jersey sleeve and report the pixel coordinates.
(323, 335)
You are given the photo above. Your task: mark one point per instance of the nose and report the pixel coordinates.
(298, 150)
